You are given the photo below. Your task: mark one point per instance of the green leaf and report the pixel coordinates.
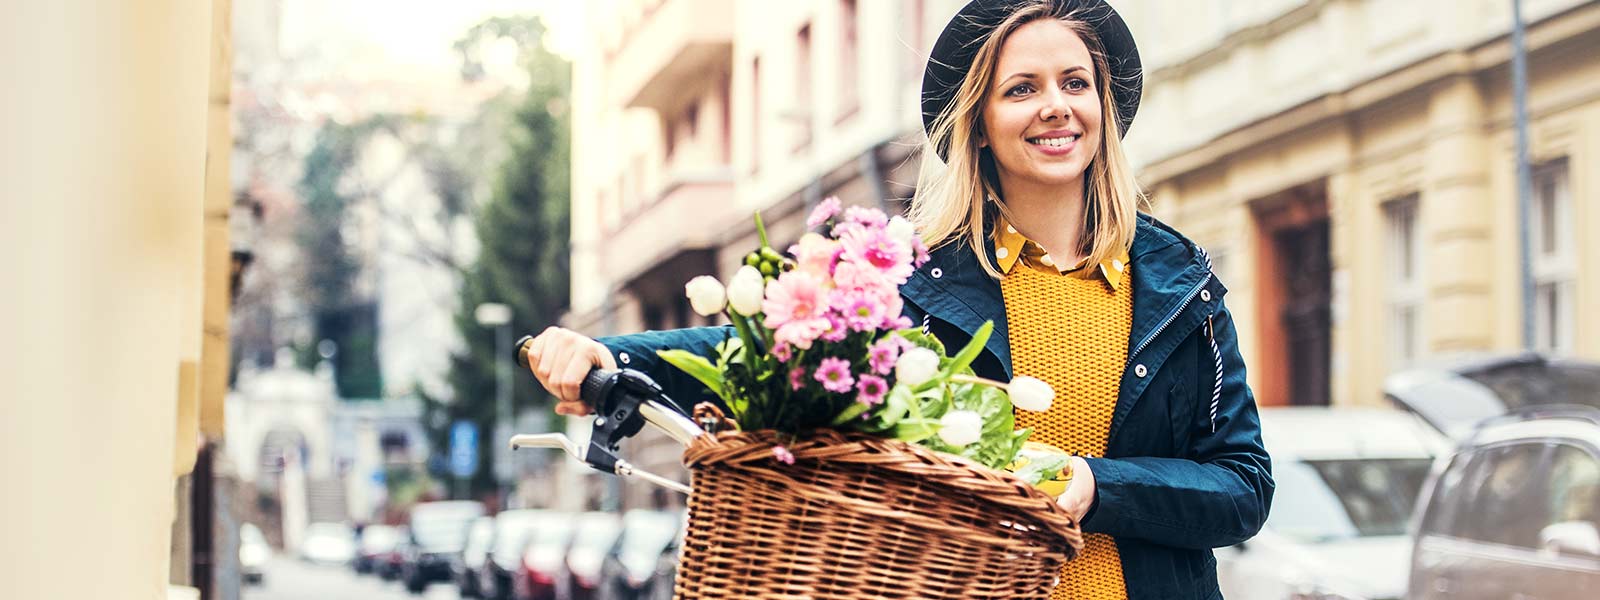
(1043, 467)
(851, 413)
(917, 337)
(915, 430)
(697, 367)
(961, 361)
(896, 405)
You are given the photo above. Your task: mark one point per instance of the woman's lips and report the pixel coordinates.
(1054, 145)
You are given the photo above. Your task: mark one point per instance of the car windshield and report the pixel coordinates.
(443, 525)
(1328, 500)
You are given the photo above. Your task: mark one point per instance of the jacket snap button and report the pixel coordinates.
(936, 272)
(623, 356)
(1140, 371)
(1205, 295)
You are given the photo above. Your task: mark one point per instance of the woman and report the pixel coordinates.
(1035, 224)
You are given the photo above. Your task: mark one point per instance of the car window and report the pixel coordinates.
(1521, 384)
(1326, 500)
(1510, 502)
(1574, 486)
(1450, 493)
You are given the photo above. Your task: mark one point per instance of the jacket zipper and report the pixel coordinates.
(1170, 318)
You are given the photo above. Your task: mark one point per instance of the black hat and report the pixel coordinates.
(958, 45)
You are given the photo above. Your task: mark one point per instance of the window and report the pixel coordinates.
(849, 59)
(1405, 281)
(802, 69)
(1554, 262)
(755, 114)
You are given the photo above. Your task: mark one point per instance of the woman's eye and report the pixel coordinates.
(1019, 90)
(1077, 85)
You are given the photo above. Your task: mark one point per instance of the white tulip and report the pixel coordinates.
(745, 290)
(1029, 393)
(706, 295)
(916, 366)
(901, 229)
(960, 428)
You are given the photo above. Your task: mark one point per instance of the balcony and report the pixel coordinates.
(681, 228)
(679, 48)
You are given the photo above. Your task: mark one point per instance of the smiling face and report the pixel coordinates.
(1041, 118)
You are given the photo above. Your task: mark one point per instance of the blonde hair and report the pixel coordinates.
(948, 205)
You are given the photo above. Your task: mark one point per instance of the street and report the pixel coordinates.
(291, 579)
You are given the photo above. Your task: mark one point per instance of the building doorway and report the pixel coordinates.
(1295, 308)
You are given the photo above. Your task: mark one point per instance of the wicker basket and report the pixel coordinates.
(860, 517)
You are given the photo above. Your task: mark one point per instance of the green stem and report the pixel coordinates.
(958, 378)
(761, 229)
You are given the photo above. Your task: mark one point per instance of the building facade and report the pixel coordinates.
(1347, 163)
(1351, 166)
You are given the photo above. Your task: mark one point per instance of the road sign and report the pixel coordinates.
(464, 449)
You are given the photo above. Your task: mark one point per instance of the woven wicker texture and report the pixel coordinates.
(1072, 332)
(858, 517)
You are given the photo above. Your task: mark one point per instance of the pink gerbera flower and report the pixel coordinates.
(837, 330)
(874, 247)
(862, 310)
(825, 210)
(783, 455)
(870, 217)
(782, 352)
(871, 389)
(796, 307)
(834, 375)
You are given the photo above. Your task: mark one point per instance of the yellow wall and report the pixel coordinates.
(103, 158)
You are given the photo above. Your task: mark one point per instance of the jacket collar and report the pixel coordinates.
(1013, 248)
(954, 288)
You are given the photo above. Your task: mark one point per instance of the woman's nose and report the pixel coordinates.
(1055, 105)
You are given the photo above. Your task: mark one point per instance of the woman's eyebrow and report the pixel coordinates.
(1030, 75)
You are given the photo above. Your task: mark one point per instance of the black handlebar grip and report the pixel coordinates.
(520, 350)
(595, 385)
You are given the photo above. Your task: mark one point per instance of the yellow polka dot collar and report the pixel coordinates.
(1012, 247)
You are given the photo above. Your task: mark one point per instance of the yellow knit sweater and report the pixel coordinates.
(1069, 327)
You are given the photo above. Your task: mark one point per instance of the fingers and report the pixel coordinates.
(570, 383)
(606, 360)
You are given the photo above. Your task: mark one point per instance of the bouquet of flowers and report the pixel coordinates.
(822, 344)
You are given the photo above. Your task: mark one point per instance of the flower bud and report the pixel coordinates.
(960, 428)
(745, 290)
(1029, 393)
(901, 229)
(916, 366)
(706, 295)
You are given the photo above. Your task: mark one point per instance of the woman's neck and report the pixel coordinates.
(1050, 215)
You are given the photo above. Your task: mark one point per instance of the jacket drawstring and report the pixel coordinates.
(1216, 387)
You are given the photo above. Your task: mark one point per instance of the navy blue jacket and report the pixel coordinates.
(1184, 470)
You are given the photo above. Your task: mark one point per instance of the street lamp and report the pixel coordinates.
(498, 316)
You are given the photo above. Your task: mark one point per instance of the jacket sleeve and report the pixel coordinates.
(637, 351)
(1219, 494)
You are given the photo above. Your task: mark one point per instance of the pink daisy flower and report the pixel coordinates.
(834, 375)
(782, 352)
(871, 217)
(837, 330)
(825, 210)
(783, 455)
(881, 355)
(862, 311)
(797, 378)
(871, 389)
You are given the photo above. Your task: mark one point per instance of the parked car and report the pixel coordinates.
(328, 543)
(628, 572)
(438, 535)
(541, 558)
(1347, 481)
(512, 530)
(592, 539)
(465, 569)
(1514, 512)
(387, 565)
(253, 553)
(1455, 393)
(376, 544)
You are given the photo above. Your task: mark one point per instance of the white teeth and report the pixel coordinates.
(1053, 142)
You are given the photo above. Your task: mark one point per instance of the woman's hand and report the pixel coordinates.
(1079, 497)
(560, 359)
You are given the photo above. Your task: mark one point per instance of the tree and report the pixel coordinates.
(523, 236)
(339, 314)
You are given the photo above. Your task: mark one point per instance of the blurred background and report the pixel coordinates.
(272, 254)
